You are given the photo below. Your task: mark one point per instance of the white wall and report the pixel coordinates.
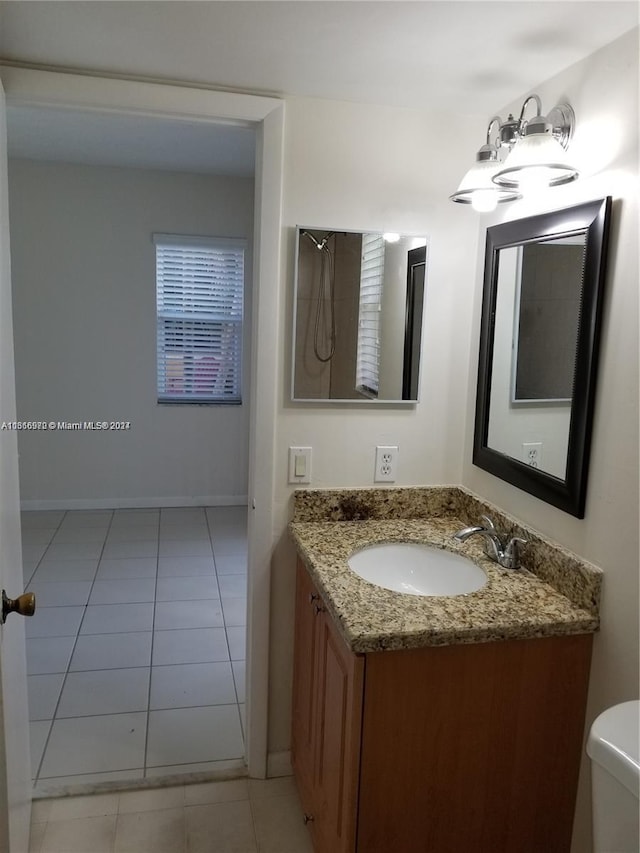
(83, 266)
(363, 167)
(603, 90)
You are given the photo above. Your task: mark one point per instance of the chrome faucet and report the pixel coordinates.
(507, 555)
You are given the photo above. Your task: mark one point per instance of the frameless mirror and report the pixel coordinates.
(358, 310)
(538, 351)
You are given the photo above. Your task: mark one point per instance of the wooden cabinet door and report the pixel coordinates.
(326, 722)
(337, 761)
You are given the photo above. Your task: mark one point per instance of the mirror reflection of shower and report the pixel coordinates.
(324, 331)
(358, 308)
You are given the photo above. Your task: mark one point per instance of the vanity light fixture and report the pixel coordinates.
(536, 158)
(477, 187)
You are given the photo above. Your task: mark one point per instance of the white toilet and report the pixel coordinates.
(615, 773)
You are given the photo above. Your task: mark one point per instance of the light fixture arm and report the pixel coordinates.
(559, 122)
(494, 120)
(524, 106)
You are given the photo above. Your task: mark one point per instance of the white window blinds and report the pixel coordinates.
(371, 281)
(199, 294)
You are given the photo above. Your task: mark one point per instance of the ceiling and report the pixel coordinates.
(463, 56)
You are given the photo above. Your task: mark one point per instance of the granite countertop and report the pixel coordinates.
(513, 604)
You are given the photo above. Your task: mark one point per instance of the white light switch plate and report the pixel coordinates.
(300, 465)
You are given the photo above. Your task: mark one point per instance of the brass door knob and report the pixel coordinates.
(24, 604)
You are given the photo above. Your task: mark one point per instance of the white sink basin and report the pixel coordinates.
(416, 569)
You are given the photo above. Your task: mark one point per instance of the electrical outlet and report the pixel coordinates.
(386, 465)
(532, 453)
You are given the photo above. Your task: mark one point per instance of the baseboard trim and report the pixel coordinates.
(279, 764)
(133, 503)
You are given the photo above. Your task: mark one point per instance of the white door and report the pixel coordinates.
(15, 773)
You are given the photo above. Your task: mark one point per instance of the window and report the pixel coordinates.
(200, 287)
(371, 281)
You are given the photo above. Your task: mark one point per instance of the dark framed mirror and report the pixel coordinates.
(539, 336)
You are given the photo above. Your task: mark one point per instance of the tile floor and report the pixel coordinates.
(135, 654)
(241, 816)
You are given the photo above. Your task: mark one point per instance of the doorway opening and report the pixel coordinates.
(135, 537)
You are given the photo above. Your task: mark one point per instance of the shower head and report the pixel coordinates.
(319, 244)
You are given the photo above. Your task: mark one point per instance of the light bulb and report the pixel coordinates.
(535, 179)
(484, 201)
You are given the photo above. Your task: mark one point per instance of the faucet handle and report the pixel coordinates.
(512, 552)
(488, 523)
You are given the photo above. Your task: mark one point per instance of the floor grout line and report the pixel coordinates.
(153, 632)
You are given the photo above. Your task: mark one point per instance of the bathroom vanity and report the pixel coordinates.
(441, 724)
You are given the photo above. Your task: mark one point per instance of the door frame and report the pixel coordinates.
(177, 102)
